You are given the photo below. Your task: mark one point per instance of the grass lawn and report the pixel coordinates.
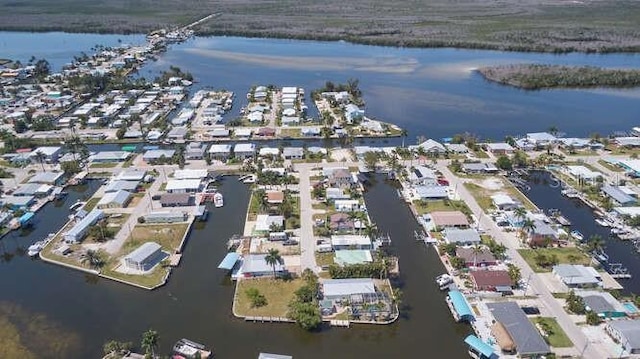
(514, 192)
(568, 255)
(480, 154)
(104, 165)
(609, 166)
(148, 280)
(324, 259)
(91, 204)
(290, 132)
(166, 235)
(439, 205)
(555, 335)
(277, 292)
(481, 195)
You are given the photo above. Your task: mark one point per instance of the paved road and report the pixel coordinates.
(307, 240)
(538, 288)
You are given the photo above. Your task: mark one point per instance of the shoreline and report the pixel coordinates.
(381, 42)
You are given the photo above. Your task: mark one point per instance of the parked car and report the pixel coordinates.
(290, 242)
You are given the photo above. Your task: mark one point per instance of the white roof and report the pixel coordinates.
(432, 145)
(289, 90)
(264, 222)
(220, 148)
(255, 263)
(499, 146)
(583, 172)
(242, 132)
(350, 240)
(173, 185)
(142, 253)
(244, 147)
(265, 151)
(131, 175)
(631, 164)
(502, 199)
(190, 174)
(631, 211)
(346, 287)
(541, 137)
(47, 151)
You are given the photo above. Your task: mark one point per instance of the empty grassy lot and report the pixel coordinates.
(278, 293)
(568, 255)
(529, 25)
(555, 335)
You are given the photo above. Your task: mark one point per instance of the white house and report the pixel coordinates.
(220, 152)
(183, 185)
(144, 257)
(244, 150)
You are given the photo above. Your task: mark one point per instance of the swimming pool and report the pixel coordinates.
(630, 307)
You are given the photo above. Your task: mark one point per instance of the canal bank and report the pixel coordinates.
(196, 302)
(546, 193)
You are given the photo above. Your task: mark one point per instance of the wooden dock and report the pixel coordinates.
(268, 319)
(339, 323)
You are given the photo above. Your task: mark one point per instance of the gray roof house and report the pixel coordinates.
(53, 178)
(626, 332)
(293, 153)
(81, 228)
(527, 338)
(431, 192)
(118, 185)
(220, 151)
(461, 236)
(144, 257)
(116, 199)
(155, 155)
(480, 167)
(110, 156)
(256, 266)
(618, 196)
(345, 288)
(602, 303)
(195, 151)
(575, 275)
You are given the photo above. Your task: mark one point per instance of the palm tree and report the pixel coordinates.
(40, 157)
(150, 342)
(356, 216)
(371, 230)
(273, 258)
(92, 258)
(528, 225)
(404, 133)
(520, 213)
(477, 249)
(595, 243)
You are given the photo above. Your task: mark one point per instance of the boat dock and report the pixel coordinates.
(339, 323)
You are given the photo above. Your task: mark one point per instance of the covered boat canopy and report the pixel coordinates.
(481, 347)
(229, 261)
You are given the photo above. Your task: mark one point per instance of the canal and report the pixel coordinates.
(546, 193)
(59, 312)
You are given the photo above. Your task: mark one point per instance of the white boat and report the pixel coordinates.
(577, 235)
(35, 248)
(444, 280)
(76, 206)
(189, 349)
(602, 222)
(218, 200)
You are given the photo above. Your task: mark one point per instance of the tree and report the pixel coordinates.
(553, 130)
(404, 133)
(371, 161)
(149, 343)
(93, 259)
(115, 347)
(520, 213)
(595, 243)
(273, 258)
(70, 167)
(40, 157)
(575, 303)
(593, 318)
(514, 273)
(457, 262)
(519, 159)
(307, 315)
(528, 226)
(256, 298)
(475, 250)
(504, 163)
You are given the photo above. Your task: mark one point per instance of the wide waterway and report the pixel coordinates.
(431, 92)
(76, 312)
(546, 193)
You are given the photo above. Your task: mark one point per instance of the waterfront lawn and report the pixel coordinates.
(515, 193)
(91, 204)
(609, 166)
(555, 336)
(150, 280)
(278, 293)
(290, 132)
(567, 255)
(168, 236)
(438, 205)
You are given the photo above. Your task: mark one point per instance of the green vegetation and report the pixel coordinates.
(91, 204)
(256, 298)
(303, 307)
(512, 25)
(534, 76)
(542, 259)
(277, 293)
(423, 206)
(609, 166)
(575, 304)
(552, 333)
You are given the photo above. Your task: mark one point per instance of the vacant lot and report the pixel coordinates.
(564, 255)
(555, 335)
(278, 293)
(529, 25)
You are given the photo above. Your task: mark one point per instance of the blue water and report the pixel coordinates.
(57, 47)
(630, 307)
(431, 92)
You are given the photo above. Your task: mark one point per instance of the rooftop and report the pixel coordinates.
(346, 287)
(527, 337)
(449, 218)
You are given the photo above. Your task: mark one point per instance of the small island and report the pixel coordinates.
(536, 77)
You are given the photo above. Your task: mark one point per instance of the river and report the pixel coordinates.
(546, 193)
